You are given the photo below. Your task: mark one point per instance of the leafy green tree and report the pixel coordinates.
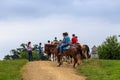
(15, 54)
(23, 51)
(7, 57)
(110, 49)
(35, 47)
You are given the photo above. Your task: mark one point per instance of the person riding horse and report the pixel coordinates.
(65, 42)
(74, 39)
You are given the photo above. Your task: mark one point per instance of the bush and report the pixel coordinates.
(110, 49)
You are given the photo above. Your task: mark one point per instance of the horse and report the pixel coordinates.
(49, 50)
(72, 51)
(85, 51)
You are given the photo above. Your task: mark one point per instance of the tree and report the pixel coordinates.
(23, 53)
(7, 57)
(23, 45)
(15, 54)
(110, 49)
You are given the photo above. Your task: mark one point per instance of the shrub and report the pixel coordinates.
(110, 49)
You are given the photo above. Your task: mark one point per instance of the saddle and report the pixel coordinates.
(66, 48)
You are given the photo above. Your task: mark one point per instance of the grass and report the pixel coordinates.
(100, 69)
(10, 70)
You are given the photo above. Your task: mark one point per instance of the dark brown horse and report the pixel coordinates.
(48, 49)
(73, 51)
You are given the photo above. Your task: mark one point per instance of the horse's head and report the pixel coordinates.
(46, 48)
(49, 47)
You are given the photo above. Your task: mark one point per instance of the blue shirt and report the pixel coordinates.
(39, 48)
(66, 40)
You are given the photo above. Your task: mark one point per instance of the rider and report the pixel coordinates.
(55, 41)
(74, 39)
(48, 42)
(65, 42)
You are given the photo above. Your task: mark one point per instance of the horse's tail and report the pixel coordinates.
(88, 50)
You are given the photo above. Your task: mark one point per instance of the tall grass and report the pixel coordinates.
(10, 69)
(100, 69)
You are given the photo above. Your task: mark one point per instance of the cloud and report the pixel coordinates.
(41, 20)
(46, 28)
(29, 9)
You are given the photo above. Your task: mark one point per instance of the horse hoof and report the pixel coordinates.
(74, 67)
(58, 65)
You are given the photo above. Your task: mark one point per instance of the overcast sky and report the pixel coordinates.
(41, 20)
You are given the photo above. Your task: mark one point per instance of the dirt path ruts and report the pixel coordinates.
(46, 70)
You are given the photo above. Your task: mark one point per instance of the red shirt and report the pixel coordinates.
(74, 40)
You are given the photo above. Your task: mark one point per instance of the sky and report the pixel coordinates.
(42, 20)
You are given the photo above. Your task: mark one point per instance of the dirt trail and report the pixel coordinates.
(46, 70)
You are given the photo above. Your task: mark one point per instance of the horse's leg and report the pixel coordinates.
(58, 58)
(53, 57)
(86, 55)
(70, 59)
(79, 59)
(67, 59)
(63, 58)
(75, 61)
(48, 56)
(55, 54)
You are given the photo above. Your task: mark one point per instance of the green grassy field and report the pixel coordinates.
(10, 70)
(100, 69)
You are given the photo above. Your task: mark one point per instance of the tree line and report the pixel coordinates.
(109, 49)
(22, 53)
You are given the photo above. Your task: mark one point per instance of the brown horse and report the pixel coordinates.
(48, 49)
(85, 51)
(73, 51)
